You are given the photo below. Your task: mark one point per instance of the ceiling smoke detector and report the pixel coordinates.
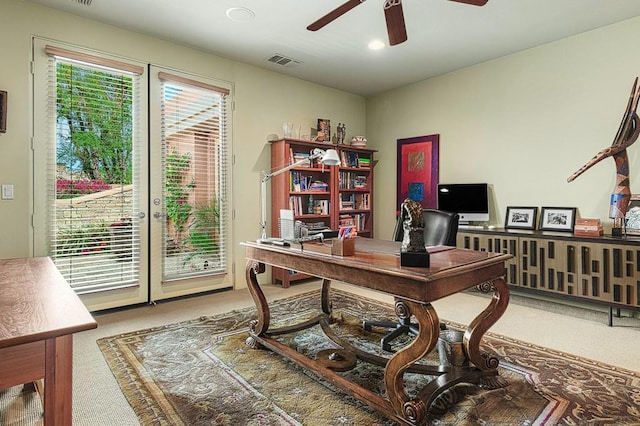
(283, 60)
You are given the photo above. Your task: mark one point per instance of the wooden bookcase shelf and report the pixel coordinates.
(604, 270)
(321, 196)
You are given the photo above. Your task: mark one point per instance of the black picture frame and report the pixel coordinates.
(521, 218)
(3, 111)
(561, 219)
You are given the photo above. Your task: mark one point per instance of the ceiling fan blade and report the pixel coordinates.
(472, 2)
(395, 22)
(334, 14)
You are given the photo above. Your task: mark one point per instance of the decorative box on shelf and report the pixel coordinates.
(586, 227)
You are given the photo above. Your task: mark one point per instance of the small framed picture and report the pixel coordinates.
(324, 130)
(521, 218)
(632, 219)
(3, 111)
(558, 219)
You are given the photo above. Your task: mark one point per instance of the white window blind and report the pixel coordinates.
(194, 152)
(91, 174)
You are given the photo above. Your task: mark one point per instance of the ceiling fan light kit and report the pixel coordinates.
(393, 13)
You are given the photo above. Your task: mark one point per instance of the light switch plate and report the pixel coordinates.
(7, 192)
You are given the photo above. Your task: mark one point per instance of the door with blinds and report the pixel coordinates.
(189, 189)
(90, 172)
(130, 177)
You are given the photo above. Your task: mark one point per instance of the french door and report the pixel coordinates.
(129, 177)
(189, 184)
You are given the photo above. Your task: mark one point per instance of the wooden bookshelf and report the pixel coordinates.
(321, 196)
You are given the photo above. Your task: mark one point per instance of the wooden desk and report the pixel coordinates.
(39, 313)
(376, 266)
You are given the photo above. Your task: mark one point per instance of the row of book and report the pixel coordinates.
(352, 159)
(358, 221)
(301, 182)
(354, 202)
(348, 159)
(294, 157)
(308, 205)
(351, 180)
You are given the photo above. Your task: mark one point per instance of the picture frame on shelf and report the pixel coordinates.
(3, 111)
(417, 171)
(323, 130)
(632, 218)
(561, 219)
(521, 218)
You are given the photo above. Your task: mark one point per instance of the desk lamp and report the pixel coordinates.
(328, 158)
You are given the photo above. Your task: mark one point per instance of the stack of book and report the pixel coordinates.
(588, 227)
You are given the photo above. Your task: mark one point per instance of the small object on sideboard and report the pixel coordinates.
(586, 227)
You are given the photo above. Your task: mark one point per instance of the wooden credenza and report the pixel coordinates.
(604, 270)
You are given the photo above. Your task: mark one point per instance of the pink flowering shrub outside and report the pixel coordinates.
(67, 188)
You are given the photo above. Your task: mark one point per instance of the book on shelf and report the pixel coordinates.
(317, 185)
(364, 162)
(362, 201)
(356, 220)
(355, 160)
(302, 205)
(295, 156)
(351, 180)
(300, 182)
(354, 201)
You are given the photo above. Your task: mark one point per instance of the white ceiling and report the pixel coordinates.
(443, 35)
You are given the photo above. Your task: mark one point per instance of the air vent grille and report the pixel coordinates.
(83, 2)
(283, 60)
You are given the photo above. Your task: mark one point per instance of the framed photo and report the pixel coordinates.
(558, 219)
(3, 111)
(324, 130)
(632, 219)
(417, 169)
(521, 218)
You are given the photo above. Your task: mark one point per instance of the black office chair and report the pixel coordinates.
(440, 228)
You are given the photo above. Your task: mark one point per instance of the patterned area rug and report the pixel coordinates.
(200, 372)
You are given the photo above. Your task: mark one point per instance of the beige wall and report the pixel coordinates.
(263, 101)
(523, 123)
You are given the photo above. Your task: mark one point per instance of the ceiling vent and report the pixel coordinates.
(283, 60)
(83, 2)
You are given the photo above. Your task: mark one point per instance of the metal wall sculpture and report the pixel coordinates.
(627, 134)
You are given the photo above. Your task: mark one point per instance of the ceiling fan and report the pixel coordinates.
(392, 12)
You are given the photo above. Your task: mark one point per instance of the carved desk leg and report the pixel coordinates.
(479, 326)
(261, 325)
(415, 411)
(326, 304)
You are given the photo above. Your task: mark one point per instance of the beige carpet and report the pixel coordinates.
(200, 372)
(98, 400)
